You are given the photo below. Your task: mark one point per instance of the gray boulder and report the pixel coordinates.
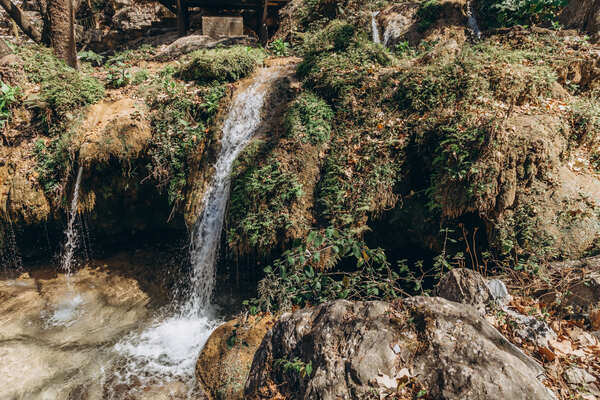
(349, 350)
(191, 43)
(464, 286)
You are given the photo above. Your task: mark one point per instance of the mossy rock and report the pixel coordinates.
(225, 361)
(222, 65)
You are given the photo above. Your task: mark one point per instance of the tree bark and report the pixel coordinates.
(62, 30)
(21, 19)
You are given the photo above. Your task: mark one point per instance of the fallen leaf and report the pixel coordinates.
(547, 354)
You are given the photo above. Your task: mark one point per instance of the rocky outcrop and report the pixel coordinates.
(583, 15)
(344, 350)
(224, 363)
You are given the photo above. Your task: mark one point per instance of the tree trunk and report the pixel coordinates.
(21, 19)
(62, 30)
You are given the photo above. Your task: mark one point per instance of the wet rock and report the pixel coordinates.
(578, 376)
(225, 361)
(464, 286)
(191, 43)
(498, 291)
(360, 348)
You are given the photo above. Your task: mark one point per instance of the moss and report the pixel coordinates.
(309, 119)
(222, 65)
(180, 121)
(260, 204)
(338, 58)
(63, 89)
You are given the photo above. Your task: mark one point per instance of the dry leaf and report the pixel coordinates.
(547, 354)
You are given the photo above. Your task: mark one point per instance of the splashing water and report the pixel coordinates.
(168, 349)
(375, 27)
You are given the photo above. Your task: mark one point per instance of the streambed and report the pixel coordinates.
(101, 335)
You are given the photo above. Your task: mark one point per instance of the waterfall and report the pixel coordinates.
(472, 21)
(170, 346)
(375, 27)
(242, 121)
(66, 263)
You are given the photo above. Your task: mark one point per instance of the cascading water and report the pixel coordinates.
(67, 310)
(66, 263)
(375, 27)
(472, 21)
(169, 348)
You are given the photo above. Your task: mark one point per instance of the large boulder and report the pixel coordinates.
(224, 364)
(347, 350)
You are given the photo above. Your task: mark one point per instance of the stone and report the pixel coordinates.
(225, 360)
(464, 286)
(498, 291)
(190, 43)
(357, 349)
(530, 328)
(578, 376)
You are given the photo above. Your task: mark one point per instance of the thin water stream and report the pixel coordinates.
(110, 340)
(375, 27)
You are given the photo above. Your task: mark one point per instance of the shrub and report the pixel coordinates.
(222, 65)
(118, 76)
(8, 96)
(260, 205)
(498, 13)
(309, 119)
(428, 13)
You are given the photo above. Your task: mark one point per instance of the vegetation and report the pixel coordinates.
(497, 13)
(221, 65)
(8, 96)
(309, 119)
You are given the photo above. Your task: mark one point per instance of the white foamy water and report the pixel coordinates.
(66, 312)
(375, 27)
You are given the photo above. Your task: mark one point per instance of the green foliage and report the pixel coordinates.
(280, 48)
(179, 121)
(301, 276)
(52, 161)
(338, 59)
(260, 206)
(8, 96)
(91, 57)
(428, 13)
(585, 120)
(302, 369)
(309, 119)
(221, 65)
(63, 89)
(140, 76)
(499, 13)
(118, 75)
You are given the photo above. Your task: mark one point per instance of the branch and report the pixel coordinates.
(21, 19)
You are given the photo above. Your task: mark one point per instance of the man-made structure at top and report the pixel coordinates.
(258, 15)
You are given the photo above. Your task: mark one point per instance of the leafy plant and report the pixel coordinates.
(499, 13)
(118, 75)
(428, 13)
(304, 370)
(140, 76)
(91, 57)
(8, 96)
(309, 119)
(302, 277)
(280, 48)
